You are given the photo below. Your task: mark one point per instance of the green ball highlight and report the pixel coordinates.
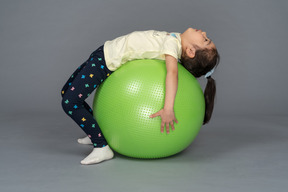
(125, 100)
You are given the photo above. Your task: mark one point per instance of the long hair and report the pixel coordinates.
(204, 61)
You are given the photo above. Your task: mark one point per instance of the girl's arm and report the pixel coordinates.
(167, 113)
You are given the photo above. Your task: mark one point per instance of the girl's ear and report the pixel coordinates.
(190, 51)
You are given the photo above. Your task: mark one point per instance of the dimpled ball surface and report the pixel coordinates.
(125, 100)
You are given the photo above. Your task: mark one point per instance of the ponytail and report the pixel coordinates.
(209, 94)
(204, 63)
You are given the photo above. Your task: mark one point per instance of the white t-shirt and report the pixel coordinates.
(141, 45)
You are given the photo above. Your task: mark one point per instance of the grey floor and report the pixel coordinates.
(39, 153)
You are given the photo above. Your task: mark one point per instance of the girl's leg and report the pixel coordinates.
(69, 82)
(89, 76)
(93, 73)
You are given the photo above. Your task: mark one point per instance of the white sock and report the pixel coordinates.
(85, 140)
(98, 155)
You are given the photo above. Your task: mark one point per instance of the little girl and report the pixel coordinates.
(196, 52)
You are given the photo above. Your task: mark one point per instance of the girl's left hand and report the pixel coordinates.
(167, 118)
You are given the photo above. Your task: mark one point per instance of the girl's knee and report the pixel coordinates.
(71, 104)
(67, 104)
(64, 104)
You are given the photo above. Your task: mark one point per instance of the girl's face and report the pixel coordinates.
(197, 37)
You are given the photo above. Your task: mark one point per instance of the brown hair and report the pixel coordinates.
(204, 61)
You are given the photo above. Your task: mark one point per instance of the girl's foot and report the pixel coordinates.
(84, 140)
(98, 155)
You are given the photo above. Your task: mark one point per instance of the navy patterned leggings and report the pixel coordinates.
(78, 87)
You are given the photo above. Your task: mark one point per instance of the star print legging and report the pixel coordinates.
(78, 87)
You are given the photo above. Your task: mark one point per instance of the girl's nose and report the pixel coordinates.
(204, 34)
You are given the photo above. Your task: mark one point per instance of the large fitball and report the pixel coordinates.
(125, 100)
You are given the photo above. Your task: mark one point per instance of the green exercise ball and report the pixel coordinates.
(125, 100)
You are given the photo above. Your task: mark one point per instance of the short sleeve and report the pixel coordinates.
(170, 47)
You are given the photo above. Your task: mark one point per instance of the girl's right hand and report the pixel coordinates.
(167, 118)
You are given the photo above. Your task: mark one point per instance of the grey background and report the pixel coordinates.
(243, 148)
